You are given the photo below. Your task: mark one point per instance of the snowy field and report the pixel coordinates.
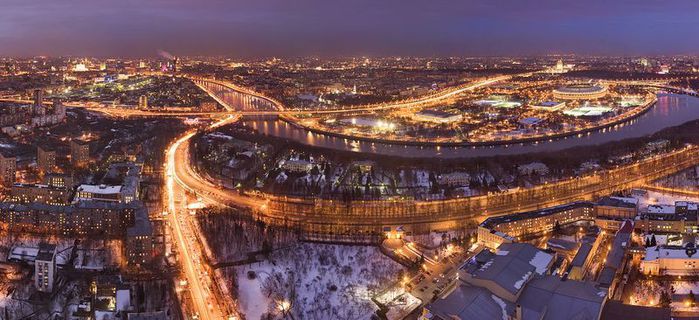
(315, 281)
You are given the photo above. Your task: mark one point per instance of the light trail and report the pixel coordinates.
(201, 287)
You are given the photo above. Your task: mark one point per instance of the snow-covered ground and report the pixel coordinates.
(399, 302)
(661, 198)
(318, 281)
(436, 239)
(96, 255)
(683, 287)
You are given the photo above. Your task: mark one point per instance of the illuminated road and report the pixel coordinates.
(421, 101)
(325, 216)
(123, 111)
(321, 215)
(200, 284)
(333, 216)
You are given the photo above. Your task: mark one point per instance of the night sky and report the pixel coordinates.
(351, 27)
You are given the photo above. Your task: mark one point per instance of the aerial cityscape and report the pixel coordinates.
(431, 160)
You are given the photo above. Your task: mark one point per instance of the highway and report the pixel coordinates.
(189, 256)
(437, 97)
(201, 286)
(322, 215)
(204, 83)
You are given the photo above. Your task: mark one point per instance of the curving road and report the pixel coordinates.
(203, 290)
(420, 101)
(319, 215)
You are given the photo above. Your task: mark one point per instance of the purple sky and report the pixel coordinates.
(350, 27)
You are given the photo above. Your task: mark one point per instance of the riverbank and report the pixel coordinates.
(422, 143)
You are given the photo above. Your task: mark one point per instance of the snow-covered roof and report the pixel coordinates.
(470, 302)
(630, 200)
(661, 209)
(667, 252)
(513, 265)
(99, 189)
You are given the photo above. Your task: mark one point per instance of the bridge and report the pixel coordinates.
(214, 87)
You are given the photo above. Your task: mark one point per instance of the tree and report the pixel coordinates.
(665, 299)
(691, 298)
(653, 242)
(648, 242)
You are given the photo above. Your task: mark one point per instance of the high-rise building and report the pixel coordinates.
(38, 107)
(45, 267)
(38, 97)
(143, 102)
(59, 108)
(79, 152)
(8, 167)
(139, 239)
(45, 159)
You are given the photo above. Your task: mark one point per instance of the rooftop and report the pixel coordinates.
(668, 252)
(470, 302)
(511, 266)
(549, 297)
(99, 189)
(47, 252)
(494, 221)
(582, 254)
(618, 202)
(617, 310)
(661, 209)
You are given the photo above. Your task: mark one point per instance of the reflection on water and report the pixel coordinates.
(240, 101)
(671, 110)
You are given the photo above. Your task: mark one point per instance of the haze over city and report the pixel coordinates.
(362, 27)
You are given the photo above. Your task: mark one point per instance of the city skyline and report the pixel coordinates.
(311, 27)
(308, 159)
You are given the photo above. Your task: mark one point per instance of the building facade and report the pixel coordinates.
(45, 268)
(79, 153)
(45, 159)
(8, 168)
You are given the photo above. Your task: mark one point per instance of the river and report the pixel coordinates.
(670, 110)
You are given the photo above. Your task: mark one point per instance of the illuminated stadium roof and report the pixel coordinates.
(580, 91)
